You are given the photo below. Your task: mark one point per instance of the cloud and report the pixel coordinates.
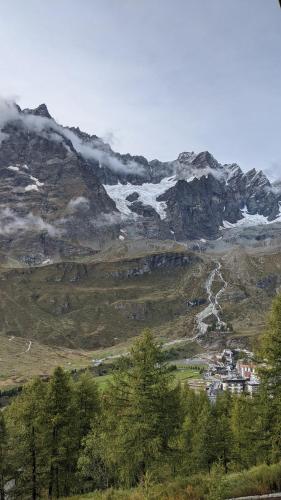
(95, 150)
(273, 171)
(109, 137)
(11, 223)
(8, 112)
(107, 220)
(79, 202)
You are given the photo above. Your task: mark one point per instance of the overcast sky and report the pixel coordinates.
(155, 76)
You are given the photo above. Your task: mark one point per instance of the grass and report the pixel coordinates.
(260, 480)
(102, 381)
(181, 375)
(95, 305)
(76, 312)
(184, 374)
(17, 365)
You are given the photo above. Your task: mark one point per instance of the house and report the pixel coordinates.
(253, 385)
(246, 370)
(234, 384)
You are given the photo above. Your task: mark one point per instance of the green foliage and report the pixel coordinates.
(60, 415)
(27, 432)
(63, 437)
(271, 375)
(141, 416)
(259, 480)
(272, 349)
(3, 456)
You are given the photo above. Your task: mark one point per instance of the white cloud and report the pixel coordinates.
(42, 125)
(77, 203)
(11, 223)
(107, 220)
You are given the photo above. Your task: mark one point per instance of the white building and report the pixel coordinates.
(236, 385)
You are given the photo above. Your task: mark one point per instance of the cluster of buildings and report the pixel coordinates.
(227, 374)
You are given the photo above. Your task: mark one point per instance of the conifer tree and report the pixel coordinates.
(87, 405)
(203, 446)
(193, 407)
(61, 440)
(142, 413)
(3, 456)
(26, 425)
(223, 436)
(271, 374)
(87, 409)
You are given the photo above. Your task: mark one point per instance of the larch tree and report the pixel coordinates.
(61, 438)
(3, 456)
(142, 413)
(26, 426)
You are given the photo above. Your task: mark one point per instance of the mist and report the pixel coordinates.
(42, 125)
(11, 223)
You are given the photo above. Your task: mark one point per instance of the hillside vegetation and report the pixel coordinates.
(143, 433)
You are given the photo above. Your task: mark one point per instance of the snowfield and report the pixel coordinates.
(250, 220)
(148, 192)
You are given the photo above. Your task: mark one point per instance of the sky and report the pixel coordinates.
(152, 77)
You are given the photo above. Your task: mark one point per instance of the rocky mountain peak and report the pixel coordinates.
(41, 110)
(186, 157)
(205, 160)
(72, 185)
(257, 179)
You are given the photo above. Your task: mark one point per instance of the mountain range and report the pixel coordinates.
(64, 192)
(96, 245)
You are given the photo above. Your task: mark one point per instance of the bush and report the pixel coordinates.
(259, 480)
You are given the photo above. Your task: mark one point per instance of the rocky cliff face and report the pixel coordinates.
(64, 192)
(50, 200)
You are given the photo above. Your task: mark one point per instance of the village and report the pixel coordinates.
(228, 371)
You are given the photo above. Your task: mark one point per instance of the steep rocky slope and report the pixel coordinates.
(64, 192)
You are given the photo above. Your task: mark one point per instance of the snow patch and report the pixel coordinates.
(148, 192)
(31, 187)
(37, 182)
(15, 169)
(251, 220)
(46, 262)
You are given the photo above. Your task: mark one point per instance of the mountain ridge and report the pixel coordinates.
(62, 185)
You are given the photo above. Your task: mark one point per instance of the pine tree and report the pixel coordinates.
(142, 414)
(223, 435)
(244, 431)
(61, 437)
(194, 404)
(271, 350)
(204, 452)
(262, 424)
(271, 374)
(3, 456)
(87, 405)
(25, 419)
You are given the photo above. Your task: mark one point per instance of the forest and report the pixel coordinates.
(65, 437)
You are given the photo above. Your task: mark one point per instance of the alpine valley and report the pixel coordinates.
(96, 245)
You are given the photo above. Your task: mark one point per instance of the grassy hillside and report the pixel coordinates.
(70, 309)
(94, 305)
